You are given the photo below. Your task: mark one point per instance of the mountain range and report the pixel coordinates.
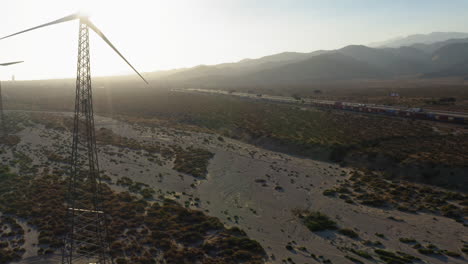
(425, 59)
(420, 38)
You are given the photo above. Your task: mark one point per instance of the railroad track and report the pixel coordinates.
(399, 111)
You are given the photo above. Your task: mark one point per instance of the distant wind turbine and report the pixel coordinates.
(2, 117)
(86, 235)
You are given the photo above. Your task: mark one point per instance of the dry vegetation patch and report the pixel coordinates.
(106, 136)
(315, 221)
(11, 240)
(192, 161)
(140, 230)
(336, 135)
(10, 140)
(373, 189)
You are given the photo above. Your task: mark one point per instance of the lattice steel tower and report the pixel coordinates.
(86, 223)
(86, 236)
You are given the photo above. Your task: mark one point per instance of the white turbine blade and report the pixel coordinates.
(95, 29)
(65, 19)
(10, 63)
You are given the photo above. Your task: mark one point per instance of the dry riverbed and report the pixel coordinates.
(249, 187)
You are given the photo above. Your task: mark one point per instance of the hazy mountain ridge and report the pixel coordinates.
(393, 61)
(450, 60)
(431, 48)
(333, 65)
(350, 62)
(420, 39)
(246, 66)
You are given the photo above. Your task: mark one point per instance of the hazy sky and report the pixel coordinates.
(157, 35)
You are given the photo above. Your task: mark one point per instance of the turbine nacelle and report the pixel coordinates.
(82, 15)
(85, 20)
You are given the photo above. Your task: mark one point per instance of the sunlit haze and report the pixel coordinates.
(160, 35)
(234, 131)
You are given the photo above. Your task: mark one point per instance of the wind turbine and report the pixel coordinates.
(86, 238)
(2, 116)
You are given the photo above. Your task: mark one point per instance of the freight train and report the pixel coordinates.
(415, 113)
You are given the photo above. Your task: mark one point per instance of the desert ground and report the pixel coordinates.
(255, 189)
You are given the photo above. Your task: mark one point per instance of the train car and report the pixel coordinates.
(430, 116)
(442, 117)
(391, 112)
(380, 110)
(415, 113)
(460, 120)
(420, 115)
(404, 113)
(338, 105)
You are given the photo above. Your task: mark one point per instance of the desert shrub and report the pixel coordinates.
(372, 200)
(380, 235)
(426, 251)
(407, 240)
(372, 243)
(191, 237)
(393, 258)
(361, 253)
(348, 232)
(452, 254)
(353, 259)
(279, 188)
(147, 193)
(192, 161)
(316, 221)
(124, 181)
(329, 192)
(465, 249)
